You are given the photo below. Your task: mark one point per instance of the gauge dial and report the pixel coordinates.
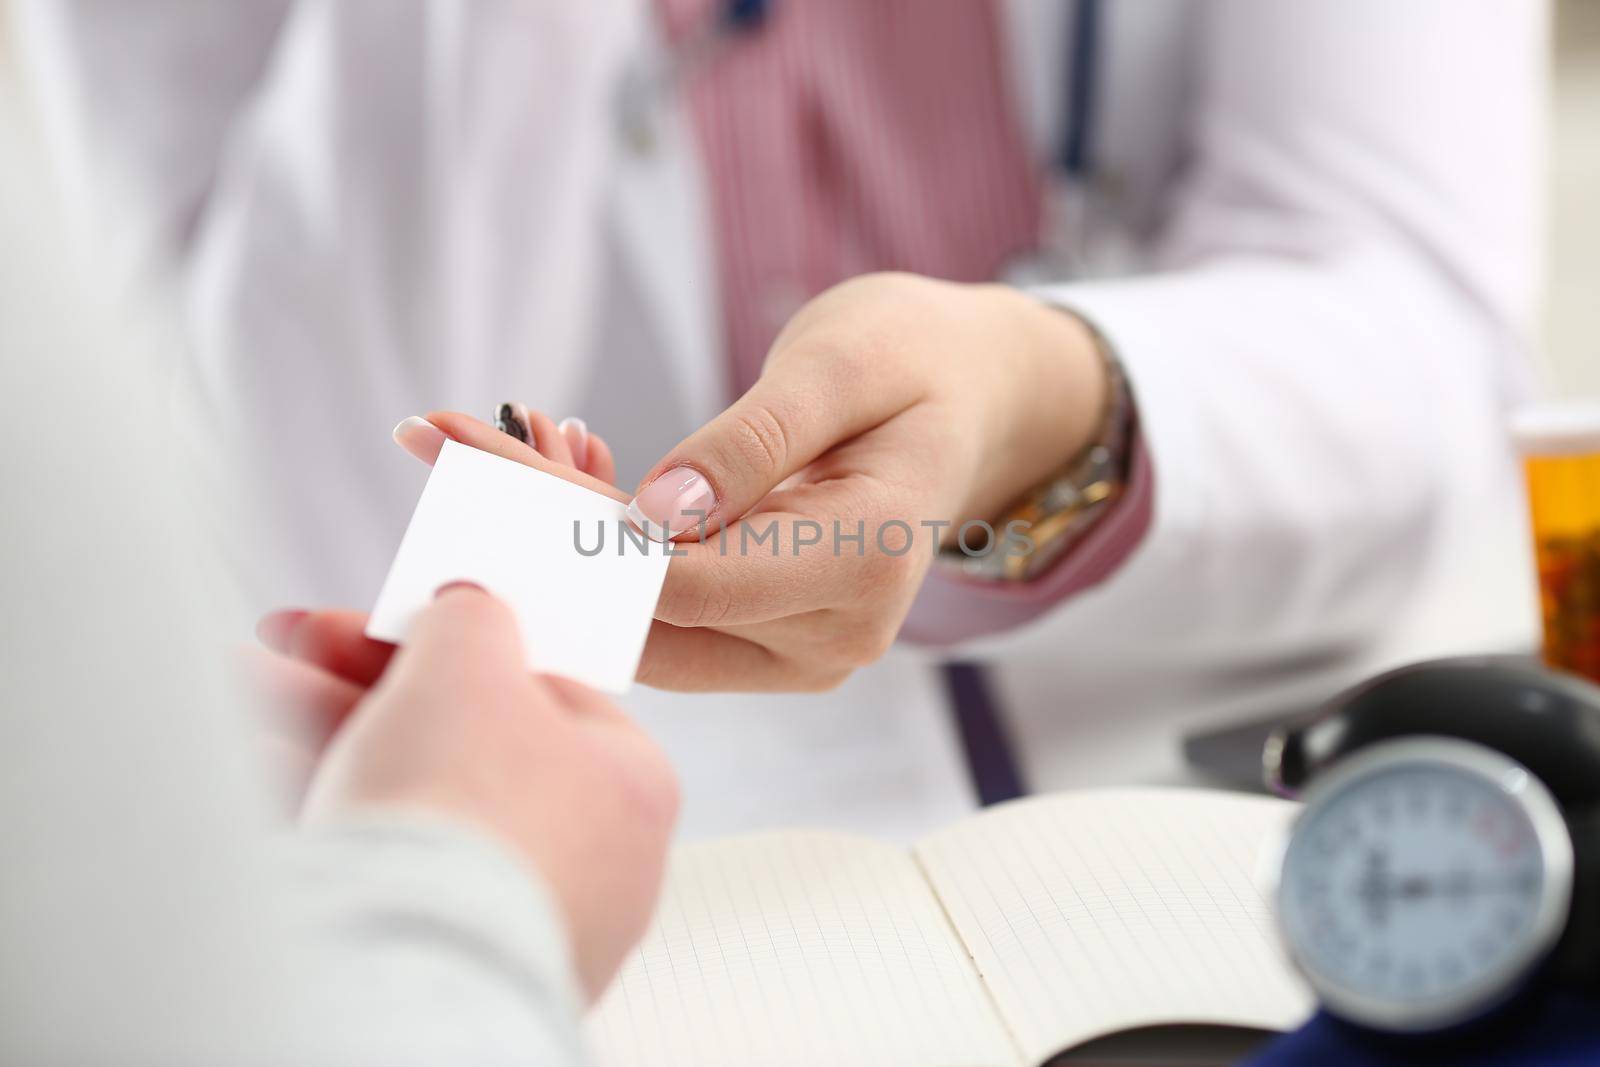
(1423, 881)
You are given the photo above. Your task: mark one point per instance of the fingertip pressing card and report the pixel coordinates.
(583, 590)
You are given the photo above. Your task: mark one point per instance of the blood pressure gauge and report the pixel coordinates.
(1447, 858)
(1424, 882)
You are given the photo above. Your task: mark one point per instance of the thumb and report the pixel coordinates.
(799, 409)
(465, 631)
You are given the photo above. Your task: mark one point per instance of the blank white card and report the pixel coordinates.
(583, 589)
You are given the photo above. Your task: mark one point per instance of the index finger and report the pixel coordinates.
(775, 564)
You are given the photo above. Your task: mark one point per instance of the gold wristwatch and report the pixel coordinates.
(1055, 515)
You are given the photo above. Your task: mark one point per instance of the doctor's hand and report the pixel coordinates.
(566, 449)
(453, 724)
(891, 409)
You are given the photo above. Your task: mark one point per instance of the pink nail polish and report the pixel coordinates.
(421, 438)
(276, 630)
(679, 500)
(576, 431)
(458, 585)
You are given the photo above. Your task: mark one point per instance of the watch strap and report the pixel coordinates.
(1056, 514)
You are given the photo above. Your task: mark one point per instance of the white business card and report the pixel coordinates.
(582, 582)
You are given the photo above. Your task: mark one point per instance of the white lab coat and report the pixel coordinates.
(385, 206)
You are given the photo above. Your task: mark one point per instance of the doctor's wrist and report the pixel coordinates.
(1051, 517)
(1054, 388)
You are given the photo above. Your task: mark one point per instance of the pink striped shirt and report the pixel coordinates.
(845, 137)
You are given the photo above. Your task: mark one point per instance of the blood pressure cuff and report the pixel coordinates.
(1560, 1030)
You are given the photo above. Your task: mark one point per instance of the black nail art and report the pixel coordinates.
(506, 421)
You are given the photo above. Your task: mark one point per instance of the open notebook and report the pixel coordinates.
(999, 941)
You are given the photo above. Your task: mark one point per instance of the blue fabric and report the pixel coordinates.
(1562, 1030)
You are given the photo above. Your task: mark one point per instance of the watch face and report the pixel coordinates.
(1423, 880)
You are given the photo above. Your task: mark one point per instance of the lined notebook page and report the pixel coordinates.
(802, 948)
(1098, 912)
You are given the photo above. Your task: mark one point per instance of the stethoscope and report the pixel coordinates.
(656, 78)
(651, 81)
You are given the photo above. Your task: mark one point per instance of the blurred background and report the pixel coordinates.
(1572, 312)
(1571, 348)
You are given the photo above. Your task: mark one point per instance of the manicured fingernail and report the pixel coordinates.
(679, 500)
(458, 584)
(276, 629)
(576, 431)
(421, 438)
(509, 418)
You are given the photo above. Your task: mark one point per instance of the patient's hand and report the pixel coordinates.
(453, 723)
